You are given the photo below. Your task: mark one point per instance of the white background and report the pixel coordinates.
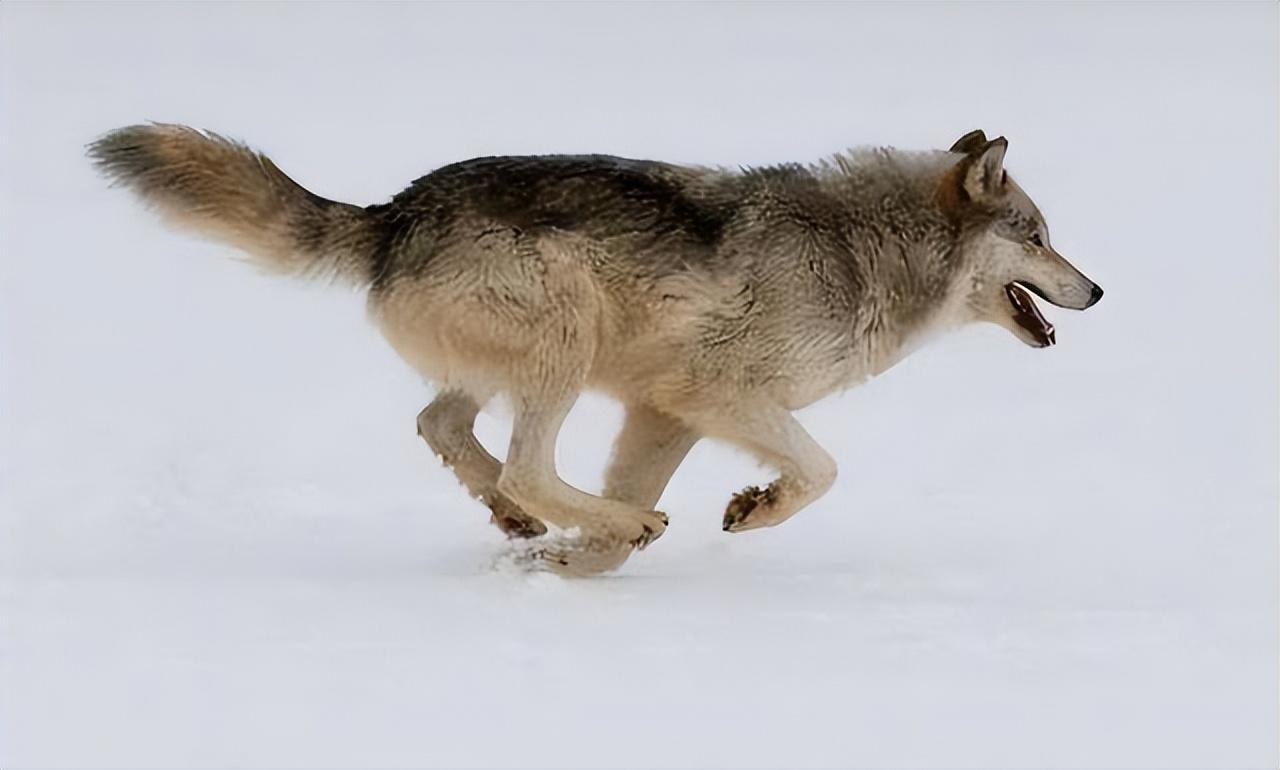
(223, 545)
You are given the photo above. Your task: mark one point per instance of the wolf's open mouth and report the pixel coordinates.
(1028, 315)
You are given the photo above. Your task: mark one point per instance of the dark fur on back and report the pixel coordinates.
(634, 204)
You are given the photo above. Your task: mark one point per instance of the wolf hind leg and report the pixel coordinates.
(607, 531)
(447, 425)
(771, 434)
(646, 453)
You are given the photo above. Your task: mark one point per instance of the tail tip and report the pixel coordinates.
(125, 155)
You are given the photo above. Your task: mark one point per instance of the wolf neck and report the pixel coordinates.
(903, 250)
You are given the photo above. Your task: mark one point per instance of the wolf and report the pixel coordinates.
(710, 302)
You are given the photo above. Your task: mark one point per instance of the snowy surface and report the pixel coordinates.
(222, 544)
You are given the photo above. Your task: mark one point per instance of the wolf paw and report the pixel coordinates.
(575, 563)
(514, 522)
(567, 553)
(651, 525)
(750, 509)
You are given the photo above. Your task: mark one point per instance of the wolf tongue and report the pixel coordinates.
(1028, 315)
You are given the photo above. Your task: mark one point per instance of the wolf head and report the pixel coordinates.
(1004, 246)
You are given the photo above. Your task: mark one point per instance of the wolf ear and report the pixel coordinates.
(985, 175)
(971, 141)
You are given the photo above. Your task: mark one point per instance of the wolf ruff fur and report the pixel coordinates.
(711, 303)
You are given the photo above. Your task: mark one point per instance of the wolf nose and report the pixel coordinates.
(1094, 296)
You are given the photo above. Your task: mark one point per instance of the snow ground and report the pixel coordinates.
(222, 545)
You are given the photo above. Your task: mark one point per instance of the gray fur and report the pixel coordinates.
(710, 302)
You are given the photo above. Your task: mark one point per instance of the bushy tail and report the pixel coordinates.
(221, 189)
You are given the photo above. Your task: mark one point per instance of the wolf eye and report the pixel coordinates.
(1035, 240)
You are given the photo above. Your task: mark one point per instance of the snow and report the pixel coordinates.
(223, 545)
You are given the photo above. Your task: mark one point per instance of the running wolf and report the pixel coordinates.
(710, 302)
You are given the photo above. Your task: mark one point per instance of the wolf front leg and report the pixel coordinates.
(776, 438)
(448, 427)
(646, 454)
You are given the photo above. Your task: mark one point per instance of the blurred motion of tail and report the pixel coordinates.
(221, 189)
